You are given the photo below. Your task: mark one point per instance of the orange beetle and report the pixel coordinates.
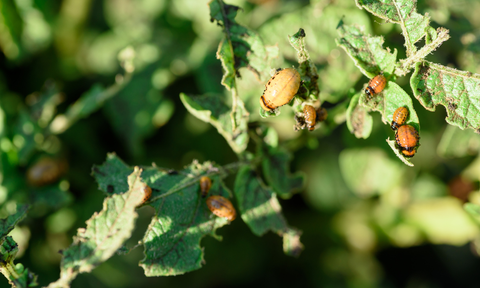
(45, 171)
(147, 193)
(205, 184)
(222, 207)
(376, 85)
(407, 140)
(310, 116)
(399, 117)
(280, 89)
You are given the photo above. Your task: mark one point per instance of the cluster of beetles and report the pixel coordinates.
(284, 85)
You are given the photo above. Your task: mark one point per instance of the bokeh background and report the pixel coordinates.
(367, 219)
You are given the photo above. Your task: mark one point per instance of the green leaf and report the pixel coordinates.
(366, 51)
(306, 68)
(214, 109)
(276, 167)
(51, 196)
(12, 30)
(368, 171)
(359, 121)
(261, 210)
(24, 136)
(105, 233)
(17, 275)
(182, 219)
(112, 176)
(403, 12)
(240, 46)
(458, 91)
(7, 224)
(458, 143)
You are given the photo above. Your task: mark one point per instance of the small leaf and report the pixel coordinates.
(366, 51)
(172, 240)
(307, 68)
(275, 164)
(458, 91)
(261, 210)
(359, 121)
(240, 46)
(17, 275)
(112, 176)
(402, 12)
(7, 224)
(393, 145)
(105, 233)
(214, 109)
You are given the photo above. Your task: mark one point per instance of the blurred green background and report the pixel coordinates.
(367, 219)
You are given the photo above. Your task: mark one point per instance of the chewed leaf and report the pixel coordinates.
(112, 175)
(172, 241)
(275, 164)
(261, 210)
(214, 109)
(403, 12)
(17, 275)
(366, 51)
(458, 91)
(359, 121)
(240, 46)
(7, 224)
(391, 98)
(307, 68)
(105, 233)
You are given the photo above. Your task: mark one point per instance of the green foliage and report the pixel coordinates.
(17, 275)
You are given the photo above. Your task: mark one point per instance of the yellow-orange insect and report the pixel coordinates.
(399, 117)
(321, 114)
(205, 184)
(310, 116)
(222, 207)
(45, 171)
(147, 193)
(376, 85)
(407, 140)
(280, 89)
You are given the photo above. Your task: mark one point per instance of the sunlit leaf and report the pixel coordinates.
(458, 91)
(261, 210)
(366, 51)
(458, 143)
(105, 232)
(359, 121)
(215, 110)
(402, 12)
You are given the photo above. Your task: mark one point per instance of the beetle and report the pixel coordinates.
(407, 140)
(399, 117)
(321, 114)
(376, 85)
(222, 207)
(147, 193)
(310, 116)
(46, 171)
(280, 89)
(205, 184)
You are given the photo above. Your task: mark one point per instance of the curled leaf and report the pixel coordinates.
(359, 121)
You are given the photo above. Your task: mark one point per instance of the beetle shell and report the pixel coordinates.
(280, 89)
(310, 116)
(376, 85)
(205, 184)
(147, 193)
(44, 172)
(222, 207)
(321, 114)
(399, 117)
(407, 140)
